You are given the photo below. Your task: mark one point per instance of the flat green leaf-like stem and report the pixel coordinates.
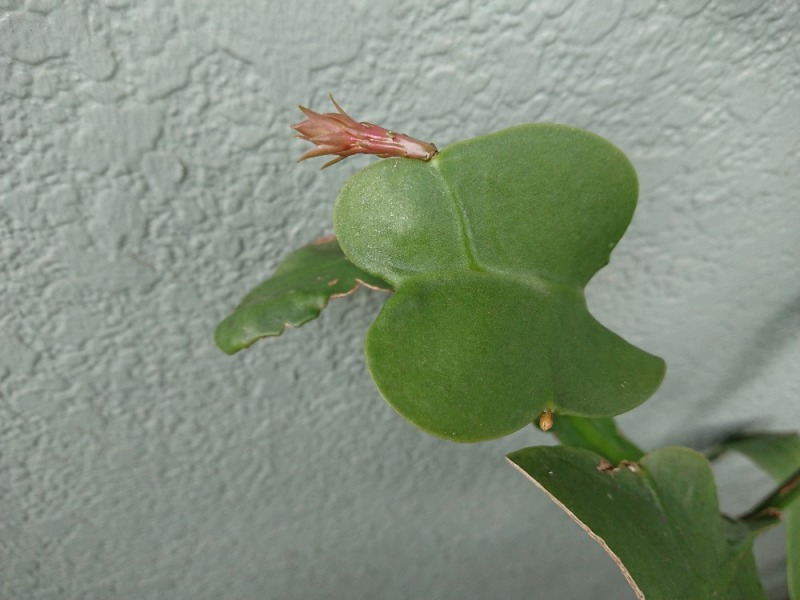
(657, 518)
(296, 293)
(489, 246)
(777, 453)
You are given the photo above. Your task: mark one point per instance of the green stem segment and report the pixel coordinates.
(598, 435)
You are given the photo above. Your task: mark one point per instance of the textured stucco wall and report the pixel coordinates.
(147, 181)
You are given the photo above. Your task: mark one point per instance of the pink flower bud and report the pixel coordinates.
(340, 135)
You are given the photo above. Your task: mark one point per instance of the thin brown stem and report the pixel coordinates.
(773, 505)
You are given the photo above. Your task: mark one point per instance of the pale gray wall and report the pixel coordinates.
(147, 181)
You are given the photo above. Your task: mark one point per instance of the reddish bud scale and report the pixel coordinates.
(340, 135)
